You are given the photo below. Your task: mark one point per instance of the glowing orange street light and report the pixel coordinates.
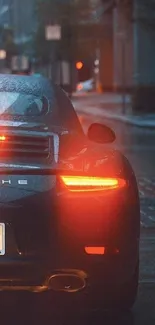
(79, 65)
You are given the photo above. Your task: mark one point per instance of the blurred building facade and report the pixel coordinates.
(134, 45)
(6, 13)
(20, 17)
(123, 50)
(126, 45)
(23, 18)
(144, 42)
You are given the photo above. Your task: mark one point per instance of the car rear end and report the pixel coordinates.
(62, 229)
(99, 229)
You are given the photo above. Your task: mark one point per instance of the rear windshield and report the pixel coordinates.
(12, 103)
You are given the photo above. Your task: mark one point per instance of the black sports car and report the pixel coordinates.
(69, 207)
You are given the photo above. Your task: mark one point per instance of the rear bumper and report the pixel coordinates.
(35, 276)
(18, 273)
(60, 229)
(34, 273)
(111, 222)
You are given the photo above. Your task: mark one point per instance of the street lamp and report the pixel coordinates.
(122, 36)
(2, 58)
(120, 27)
(97, 69)
(2, 54)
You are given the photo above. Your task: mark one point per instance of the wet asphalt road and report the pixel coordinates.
(139, 146)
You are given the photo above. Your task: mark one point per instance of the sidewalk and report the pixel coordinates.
(145, 120)
(110, 106)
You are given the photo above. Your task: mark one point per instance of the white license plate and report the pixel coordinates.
(2, 238)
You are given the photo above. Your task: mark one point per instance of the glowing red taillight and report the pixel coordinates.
(101, 250)
(93, 250)
(79, 87)
(88, 184)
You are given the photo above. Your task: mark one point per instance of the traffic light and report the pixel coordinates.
(79, 65)
(83, 70)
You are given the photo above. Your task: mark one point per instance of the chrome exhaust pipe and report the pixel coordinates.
(67, 281)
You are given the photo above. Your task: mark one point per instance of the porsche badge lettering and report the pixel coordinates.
(9, 182)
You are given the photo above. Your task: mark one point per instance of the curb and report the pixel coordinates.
(130, 122)
(117, 118)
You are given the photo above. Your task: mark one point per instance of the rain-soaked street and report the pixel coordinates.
(138, 145)
(101, 53)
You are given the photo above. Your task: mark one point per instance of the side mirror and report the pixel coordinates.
(101, 133)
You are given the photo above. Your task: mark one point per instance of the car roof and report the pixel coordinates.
(27, 85)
